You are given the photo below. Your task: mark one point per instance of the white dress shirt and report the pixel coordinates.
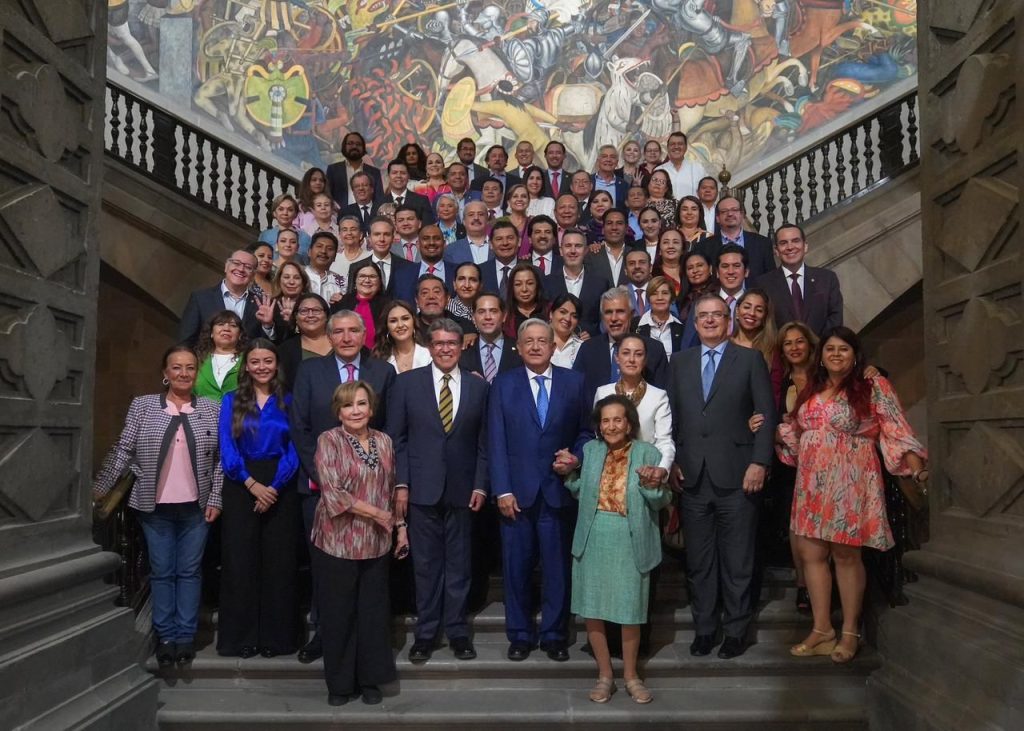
(661, 333)
(535, 388)
(655, 420)
(420, 357)
(535, 259)
(684, 179)
(454, 385)
(573, 285)
(385, 269)
(615, 262)
(542, 206)
(800, 280)
(480, 252)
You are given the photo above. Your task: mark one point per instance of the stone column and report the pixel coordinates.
(954, 657)
(67, 654)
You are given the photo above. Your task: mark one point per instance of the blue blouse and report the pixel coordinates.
(269, 440)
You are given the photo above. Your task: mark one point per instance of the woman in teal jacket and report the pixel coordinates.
(617, 541)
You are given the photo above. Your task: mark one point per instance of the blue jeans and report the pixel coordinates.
(175, 536)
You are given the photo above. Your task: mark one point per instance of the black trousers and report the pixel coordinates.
(355, 621)
(309, 502)
(440, 539)
(259, 555)
(720, 525)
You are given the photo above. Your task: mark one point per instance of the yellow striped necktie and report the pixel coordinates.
(445, 404)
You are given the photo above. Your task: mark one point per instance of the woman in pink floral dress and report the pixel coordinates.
(838, 503)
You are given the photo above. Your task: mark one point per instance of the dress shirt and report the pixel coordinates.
(454, 385)
(535, 388)
(499, 346)
(634, 289)
(264, 437)
(615, 262)
(662, 333)
(385, 269)
(729, 240)
(801, 281)
(684, 179)
(535, 258)
(480, 252)
(719, 352)
(710, 224)
(233, 303)
(573, 285)
(634, 225)
(608, 186)
(652, 249)
(555, 186)
(498, 266)
(343, 371)
(420, 357)
(732, 308)
(438, 270)
(565, 355)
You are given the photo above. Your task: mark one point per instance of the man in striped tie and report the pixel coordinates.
(437, 420)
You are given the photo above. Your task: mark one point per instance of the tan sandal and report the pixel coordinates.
(602, 690)
(638, 691)
(841, 656)
(825, 647)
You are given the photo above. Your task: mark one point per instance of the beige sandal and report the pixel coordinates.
(825, 647)
(602, 690)
(638, 691)
(841, 656)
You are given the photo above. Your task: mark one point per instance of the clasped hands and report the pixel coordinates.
(265, 496)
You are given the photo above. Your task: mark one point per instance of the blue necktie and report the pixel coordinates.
(542, 399)
(615, 364)
(707, 376)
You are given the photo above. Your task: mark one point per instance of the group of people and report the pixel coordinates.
(576, 363)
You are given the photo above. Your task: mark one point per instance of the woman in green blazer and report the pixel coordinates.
(617, 541)
(220, 342)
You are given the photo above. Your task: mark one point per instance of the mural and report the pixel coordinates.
(743, 77)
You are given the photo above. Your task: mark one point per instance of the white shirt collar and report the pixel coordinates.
(547, 374)
(800, 274)
(437, 373)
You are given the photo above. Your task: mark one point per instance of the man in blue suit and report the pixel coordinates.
(437, 418)
(534, 412)
(311, 415)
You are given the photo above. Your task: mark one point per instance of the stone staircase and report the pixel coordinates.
(764, 689)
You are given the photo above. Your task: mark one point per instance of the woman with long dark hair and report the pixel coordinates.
(220, 342)
(839, 502)
(524, 297)
(399, 341)
(690, 221)
(415, 160)
(313, 183)
(259, 546)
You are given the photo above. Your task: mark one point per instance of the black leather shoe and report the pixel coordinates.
(186, 653)
(518, 651)
(702, 645)
(338, 700)
(421, 651)
(268, 652)
(312, 651)
(165, 653)
(462, 647)
(556, 651)
(372, 695)
(246, 652)
(731, 647)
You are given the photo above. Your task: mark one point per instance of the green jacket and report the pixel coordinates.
(642, 503)
(206, 384)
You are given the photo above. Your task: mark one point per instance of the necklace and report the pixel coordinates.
(222, 364)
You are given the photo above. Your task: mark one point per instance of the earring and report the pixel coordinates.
(166, 382)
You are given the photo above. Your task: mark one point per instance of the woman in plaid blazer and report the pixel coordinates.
(169, 442)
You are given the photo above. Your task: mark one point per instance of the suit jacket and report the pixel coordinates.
(402, 279)
(823, 300)
(354, 209)
(479, 173)
(594, 285)
(146, 441)
(598, 263)
(642, 503)
(620, 190)
(715, 435)
(460, 253)
(564, 184)
(204, 304)
(337, 178)
(434, 464)
(420, 203)
(472, 361)
(311, 415)
(595, 363)
(398, 249)
(510, 180)
(490, 282)
(759, 253)
(676, 328)
(449, 272)
(520, 450)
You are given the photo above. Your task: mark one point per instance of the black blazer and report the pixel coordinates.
(598, 263)
(479, 173)
(510, 180)
(337, 177)
(715, 434)
(564, 183)
(434, 464)
(348, 302)
(594, 285)
(676, 328)
(413, 200)
(354, 209)
(489, 281)
(204, 304)
(472, 361)
(594, 361)
(760, 258)
(402, 282)
(823, 300)
(311, 414)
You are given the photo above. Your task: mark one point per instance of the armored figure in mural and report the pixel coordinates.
(534, 56)
(710, 33)
(778, 10)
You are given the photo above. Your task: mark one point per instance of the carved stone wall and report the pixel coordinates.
(66, 652)
(953, 657)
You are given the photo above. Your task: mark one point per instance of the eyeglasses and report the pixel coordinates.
(242, 265)
(711, 316)
(307, 311)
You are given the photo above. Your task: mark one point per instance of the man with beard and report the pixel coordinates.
(353, 149)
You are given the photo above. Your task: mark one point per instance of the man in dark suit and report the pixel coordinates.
(363, 204)
(492, 353)
(524, 158)
(574, 278)
(505, 249)
(605, 178)
(497, 161)
(556, 180)
(437, 417)
(533, 413)
(720, 470)
(596, 357)
(433, 257)
(231, 294)
(610, 262)
(707, 193)
(799, 292)
(493, 196)
(339, 174)
(466, 150)
(311, 415)
(399, 274)
(730, 231)
(397, 193)
(541, 232)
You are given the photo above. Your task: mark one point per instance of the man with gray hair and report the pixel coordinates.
(533, 413)
(441, 463)
(596, 357)
(311, 415)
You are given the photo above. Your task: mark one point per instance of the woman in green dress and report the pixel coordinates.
(220, 342)
(617, 542)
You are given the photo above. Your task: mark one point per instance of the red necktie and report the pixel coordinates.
(430, 269)
(543, 268)
(640, 309)
(554, 182)
(409, 249)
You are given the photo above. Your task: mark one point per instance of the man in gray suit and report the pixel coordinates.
(720, 469)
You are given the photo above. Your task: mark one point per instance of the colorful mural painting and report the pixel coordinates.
(744, 78)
